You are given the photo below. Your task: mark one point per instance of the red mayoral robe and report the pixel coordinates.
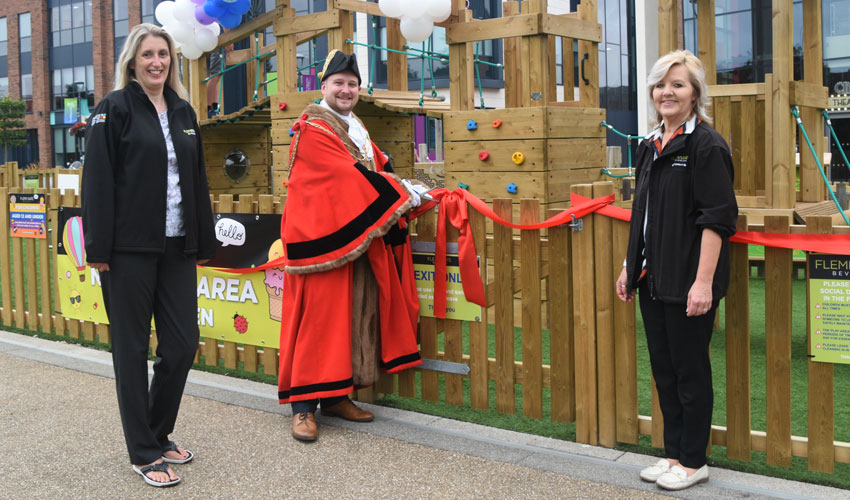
(341, 207)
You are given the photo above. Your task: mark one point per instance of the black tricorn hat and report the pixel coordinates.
(337, 62)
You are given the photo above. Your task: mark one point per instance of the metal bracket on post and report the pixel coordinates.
(576, 224)
(626, 189)
(537, 96)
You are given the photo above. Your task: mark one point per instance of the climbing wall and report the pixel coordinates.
(391, 131)
(534, 152)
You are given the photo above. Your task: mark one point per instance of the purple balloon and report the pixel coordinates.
(230, 21)
(198, 2)
(212, 9)
(202, 17)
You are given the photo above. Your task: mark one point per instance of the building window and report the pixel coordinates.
(121, 24)
(25, 37)
(4, 86)
(70, 23)
(4, 38)
(148, 9)
(67, 148)
(4, 59)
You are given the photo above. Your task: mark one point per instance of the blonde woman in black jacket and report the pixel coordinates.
(147, 225)
(678, 259)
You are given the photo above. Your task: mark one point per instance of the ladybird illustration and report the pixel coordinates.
(240, 323)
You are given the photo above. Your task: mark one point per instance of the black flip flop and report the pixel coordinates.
(172, 446)
(160, 467)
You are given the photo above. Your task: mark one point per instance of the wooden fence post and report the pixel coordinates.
(425, 230)
(625, 346)
(532, 342)
(504, 303)
(738, 437)
(777, 324)
(479, 382)
(561, 341)
(605, 359)
(245, 205)
(231, 352)
(821, 384)
(453, 344)
(584, 317)
(5, 267)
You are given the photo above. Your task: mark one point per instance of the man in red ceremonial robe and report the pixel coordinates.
(350, 306)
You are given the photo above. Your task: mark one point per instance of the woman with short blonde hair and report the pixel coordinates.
(696, 72)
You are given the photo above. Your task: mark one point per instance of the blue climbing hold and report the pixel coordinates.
(512, 188)
(471, 125)
(291, 132)
(463, 186)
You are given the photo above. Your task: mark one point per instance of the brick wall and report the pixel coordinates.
(103, 48)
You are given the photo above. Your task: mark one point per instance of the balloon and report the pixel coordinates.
(390, 8)
(215, 28)
(240, 7)
(181, 32)
(416, 29)
(202, 17)
(414, 9)
(213, 10)
(164, 13)
(184, 11)
(438, 10)
(205, 40)
(198, 2)
(191, 51)
(75, 244)
(230, 21)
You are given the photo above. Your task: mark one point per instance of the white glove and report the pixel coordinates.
(415, 190)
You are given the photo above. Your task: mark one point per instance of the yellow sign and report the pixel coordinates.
(457, 306)
(80, 294)
(837, 102)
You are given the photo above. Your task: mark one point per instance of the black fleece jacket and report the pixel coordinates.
(125, 177)
(686, 189)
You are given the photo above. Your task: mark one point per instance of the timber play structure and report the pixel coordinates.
(578, 343)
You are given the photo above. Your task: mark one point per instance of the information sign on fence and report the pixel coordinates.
(27, 216)
(457, 306)
(829, 296)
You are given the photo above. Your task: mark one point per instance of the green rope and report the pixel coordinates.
(835, 138)
(607, 172)
(422, 77)
(372, 66)
(628, 138)
(387, 49)
(431, 70)
(478, 75)
(796, 113)
(257, 52)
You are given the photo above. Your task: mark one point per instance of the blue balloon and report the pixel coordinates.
(240, 7)
(221, 3)
(213, 10)
(230, 21)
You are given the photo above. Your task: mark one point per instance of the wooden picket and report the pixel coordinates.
(592, 373)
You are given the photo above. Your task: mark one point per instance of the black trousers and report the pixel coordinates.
(310, 405)
(139, 286)
(678, 353)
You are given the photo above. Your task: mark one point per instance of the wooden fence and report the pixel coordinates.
(592, 372)
(43, 178)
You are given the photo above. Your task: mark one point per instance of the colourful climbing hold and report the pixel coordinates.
(281, 106)
(483, 155)
(497, 123)
(518, 158)
(512, 188)
(463, 186)
(291, 132)
(471, 125)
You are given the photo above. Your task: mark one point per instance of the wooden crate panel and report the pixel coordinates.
(526, 123)
(560, 181)
(278, 176)
(257, 152)
(280, 158)
(241, 190)
(389, 128)
(574, 122)
(280, 130)
(490, 185)
(402, 152)
(295, 103)
(462, 156)
(576, 153)
(230, 134)
(258, 176)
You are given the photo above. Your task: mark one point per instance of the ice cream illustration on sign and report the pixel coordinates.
(274, 281)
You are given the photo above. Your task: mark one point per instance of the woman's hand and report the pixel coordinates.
(99, 266)
(623, 292)
(699, 298)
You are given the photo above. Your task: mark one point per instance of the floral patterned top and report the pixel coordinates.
(174, 198)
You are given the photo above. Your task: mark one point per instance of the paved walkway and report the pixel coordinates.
(60, 438)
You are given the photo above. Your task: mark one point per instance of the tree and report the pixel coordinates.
(12, 132)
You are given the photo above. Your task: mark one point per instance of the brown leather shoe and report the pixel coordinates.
(304, 427)
(346, 409)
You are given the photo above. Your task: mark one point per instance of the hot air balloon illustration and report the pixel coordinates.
(75, 245)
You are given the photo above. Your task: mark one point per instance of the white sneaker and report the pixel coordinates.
(653, 472)
(677, 478)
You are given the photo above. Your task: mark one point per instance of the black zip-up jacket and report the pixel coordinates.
(689, 188)
(126, 175)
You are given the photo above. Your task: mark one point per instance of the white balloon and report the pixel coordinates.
(414, 8)
(391, 8)
(181, 32)
(184, 11)
(205, 40)
(438, 10)
(164, 13)
(191, 51)
(416, 29)
(215, 28)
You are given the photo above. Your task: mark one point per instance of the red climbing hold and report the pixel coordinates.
(497, 123)
(483, 155)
